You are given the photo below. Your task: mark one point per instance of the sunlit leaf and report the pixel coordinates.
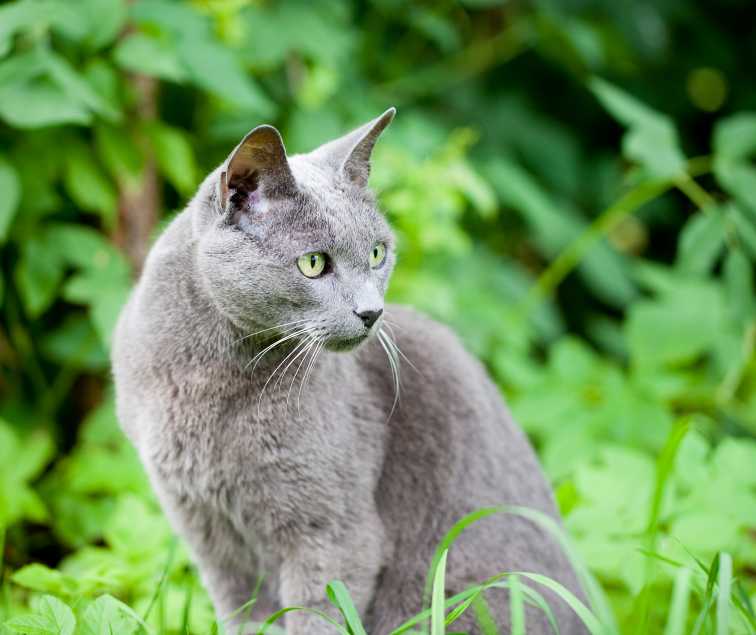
(50, 617)
(651, 139)
(150, 55)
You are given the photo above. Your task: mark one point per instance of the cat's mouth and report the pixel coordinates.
(341, 344)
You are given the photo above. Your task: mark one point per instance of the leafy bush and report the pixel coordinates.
(610, 292)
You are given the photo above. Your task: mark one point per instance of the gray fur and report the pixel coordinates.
(325, 479)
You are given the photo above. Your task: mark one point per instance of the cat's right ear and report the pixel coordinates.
(257, 168)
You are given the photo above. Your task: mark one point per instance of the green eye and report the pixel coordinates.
(378, 255)
(312, 264)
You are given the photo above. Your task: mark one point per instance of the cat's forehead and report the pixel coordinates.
(328, 203)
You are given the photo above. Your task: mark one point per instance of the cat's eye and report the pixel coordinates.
(377, 255)
(312, 264)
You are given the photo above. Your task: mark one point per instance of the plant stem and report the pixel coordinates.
(571, 256)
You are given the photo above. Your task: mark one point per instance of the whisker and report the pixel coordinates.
(270, 328)
(308, 370)
(383, 339)
(315, 340)
(275, 370)
(399, 350)
(307, 341)
(256, 359)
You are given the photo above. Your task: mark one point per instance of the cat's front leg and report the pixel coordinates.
(227, 566)
(353, 554)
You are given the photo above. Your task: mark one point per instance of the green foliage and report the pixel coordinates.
(584, 223)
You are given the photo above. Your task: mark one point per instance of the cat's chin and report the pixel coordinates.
(345, 344)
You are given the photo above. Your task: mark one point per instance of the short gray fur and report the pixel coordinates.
(330, 479)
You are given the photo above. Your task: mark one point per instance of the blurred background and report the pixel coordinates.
(573, 188)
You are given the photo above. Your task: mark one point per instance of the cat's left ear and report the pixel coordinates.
(350, 154)
(257, 167)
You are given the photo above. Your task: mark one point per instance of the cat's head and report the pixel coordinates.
(297, 244)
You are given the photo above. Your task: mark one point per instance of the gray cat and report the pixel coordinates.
(260, 377)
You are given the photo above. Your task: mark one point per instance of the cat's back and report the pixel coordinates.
(454, 448)
(449, 404)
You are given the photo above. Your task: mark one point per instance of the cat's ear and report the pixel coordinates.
(350, 154)
(257, 166)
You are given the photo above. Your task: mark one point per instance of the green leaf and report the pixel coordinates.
(177, 19)
(556, 226)
(105, 290)
(651, 139)
(38, 103)
(120, 154)
(38, 577)
(745, 225)
(108, 616)
(679, 327)
(32, 456)
(739, 179)
(90, 189)
(77, 88)
(738, 277)
(10, 186)
(150, 55)
(701, 242)
(15, 17)
(40, 88)
(217, 70)
(38, 275)
(104, 20)
(50, 617)
(175, 156)
(735, 136)
(75, 344)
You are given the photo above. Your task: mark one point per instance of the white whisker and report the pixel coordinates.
(313, 342)
(256, 359)
(270, 328)
(275, 370)
(399, 350)
(393, 363)
(308, 370)
(307, 341)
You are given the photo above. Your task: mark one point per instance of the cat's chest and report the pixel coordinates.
(221, 443)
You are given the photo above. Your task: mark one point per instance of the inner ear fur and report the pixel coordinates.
(258, 163)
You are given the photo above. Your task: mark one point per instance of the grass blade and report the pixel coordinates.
(187, 609)
(483, 616)
(249, 604)
(289, 609)
(678, 610)
(581, 610)
(458, 610)
(596, 595)
(516, 606)
(340, 598)
(743, 603)
(163, 577)
(438, 626)
(723, 596)
(703, 614)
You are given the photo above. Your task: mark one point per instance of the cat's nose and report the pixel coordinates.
(369, 317)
